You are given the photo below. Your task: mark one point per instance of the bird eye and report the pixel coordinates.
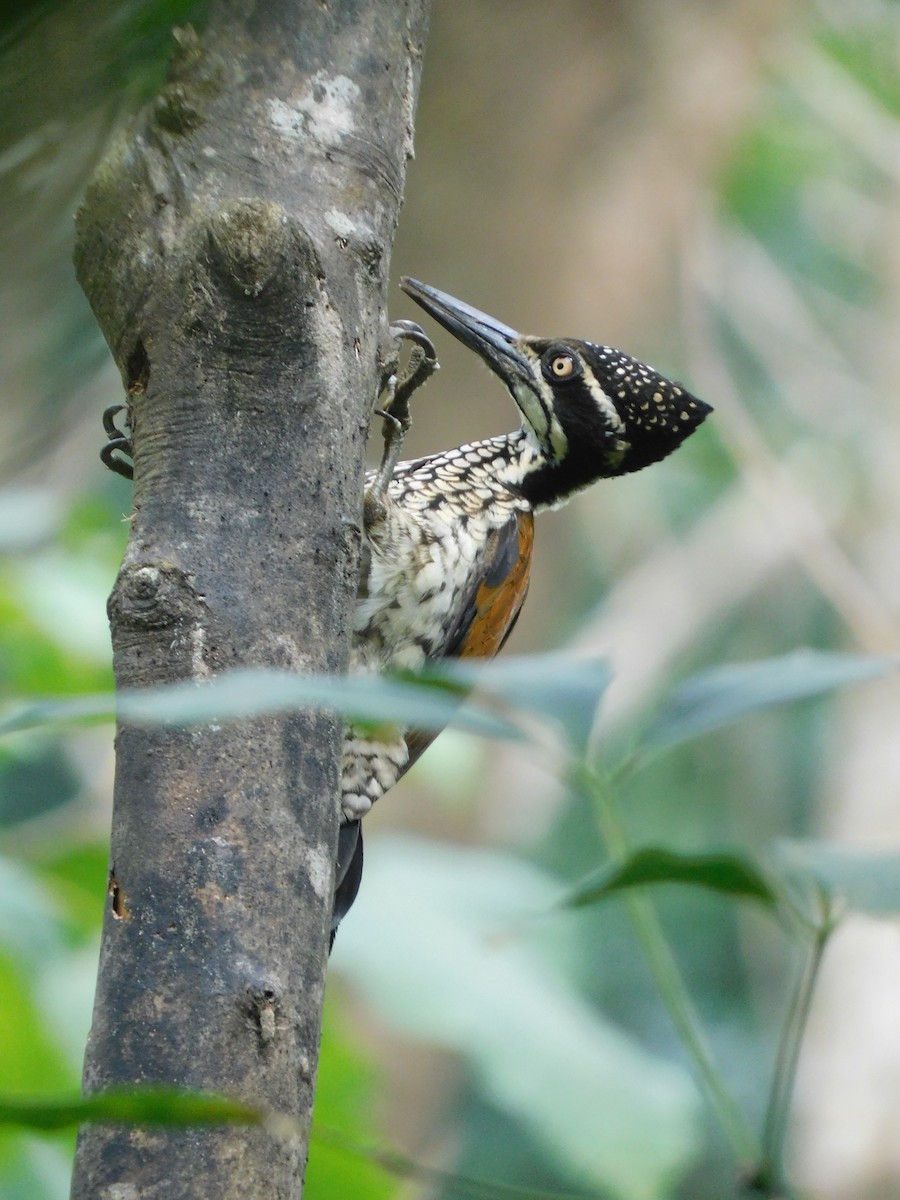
(560, 365)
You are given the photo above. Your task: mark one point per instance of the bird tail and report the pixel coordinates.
(347, 873)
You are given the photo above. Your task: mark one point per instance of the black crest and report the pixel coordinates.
(657, 414)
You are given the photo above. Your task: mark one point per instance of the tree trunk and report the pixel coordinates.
(234, 247)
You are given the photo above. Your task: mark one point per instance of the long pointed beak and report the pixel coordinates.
(497, 344)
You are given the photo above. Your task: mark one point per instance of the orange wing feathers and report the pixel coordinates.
(500, 593)
(493, 607)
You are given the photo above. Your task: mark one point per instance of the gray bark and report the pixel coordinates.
(234, 247)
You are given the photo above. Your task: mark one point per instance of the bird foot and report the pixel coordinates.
(118, 441)
(394, 411)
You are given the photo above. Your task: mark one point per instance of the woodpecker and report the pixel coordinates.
(448, 539)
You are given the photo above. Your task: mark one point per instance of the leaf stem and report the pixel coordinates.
(672, 989)
(790, 1042)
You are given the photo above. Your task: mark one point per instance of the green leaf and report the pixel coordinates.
(347, 1085)
(32, 1057)
(75, 876)
(70, 710)
(130, 1106)
(558, 686)
(551, 685)
(450, 1183)
(237, 695)
(725, 694)
(64, 596)
(858, 880)
(582, 1089)
(32, 659)
(728, 873)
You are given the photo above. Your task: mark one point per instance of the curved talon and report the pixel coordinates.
(109, 420)
(395, 411)
(120, 465)
(421, 365)
(413, 332)
(118, 440)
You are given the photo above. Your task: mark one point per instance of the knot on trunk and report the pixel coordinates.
(250, 241)
(152, 596)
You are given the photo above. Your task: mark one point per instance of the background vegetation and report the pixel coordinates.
(714, 188)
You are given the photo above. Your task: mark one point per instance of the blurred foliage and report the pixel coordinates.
(776, 529)
(70, 72)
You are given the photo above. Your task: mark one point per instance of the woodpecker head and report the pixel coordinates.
(591, 411)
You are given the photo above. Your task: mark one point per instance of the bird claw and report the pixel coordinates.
(411, 331)
(421, 365)
(118, 441)
(394, 411)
